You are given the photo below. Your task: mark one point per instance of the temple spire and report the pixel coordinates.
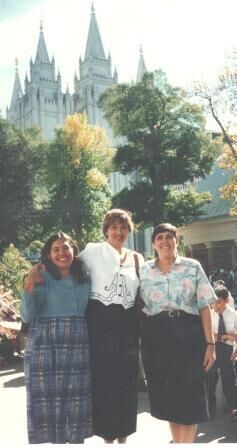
(42, 52)
(94, 46)
(17, 89)
(141, 66)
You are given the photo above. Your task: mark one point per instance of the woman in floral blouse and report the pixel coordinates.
(178, 345)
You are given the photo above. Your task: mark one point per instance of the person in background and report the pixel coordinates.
(56, 358)
(225, 331)
(221, 283)
(113, 328)
(234, 355)
(178, 346)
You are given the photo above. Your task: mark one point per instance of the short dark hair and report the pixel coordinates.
(221, 292)
(77, 269)
(164, 227)
(117, 214)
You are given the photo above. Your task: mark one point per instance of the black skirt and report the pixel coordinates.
(113, 336)
(173, 352)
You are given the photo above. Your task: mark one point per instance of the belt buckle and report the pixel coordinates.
(173, 313)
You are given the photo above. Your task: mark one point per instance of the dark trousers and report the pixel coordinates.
(224, 368)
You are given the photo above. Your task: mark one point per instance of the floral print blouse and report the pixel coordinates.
(185, 287)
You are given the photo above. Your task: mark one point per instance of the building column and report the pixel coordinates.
(148, 248)
(209, 247)
(190, 250)
(234, 254)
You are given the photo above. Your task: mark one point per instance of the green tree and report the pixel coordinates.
(21, 159)
(220, 101)
(79, 162)
(166, 144)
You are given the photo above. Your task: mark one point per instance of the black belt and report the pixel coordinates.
(173, 313)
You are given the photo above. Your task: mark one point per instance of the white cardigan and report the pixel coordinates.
(110, 282)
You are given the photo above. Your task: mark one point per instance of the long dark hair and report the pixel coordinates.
(77, 269)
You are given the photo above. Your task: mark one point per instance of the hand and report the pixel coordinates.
(34, 277)
(224, 337)
(209, 358)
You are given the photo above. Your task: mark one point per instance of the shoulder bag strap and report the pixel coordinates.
(136, 264)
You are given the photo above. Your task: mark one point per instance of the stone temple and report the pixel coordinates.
(43, 103)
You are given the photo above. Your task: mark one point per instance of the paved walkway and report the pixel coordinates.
(149, 430)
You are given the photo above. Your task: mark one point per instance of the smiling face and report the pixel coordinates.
(165, 244)
(62, 255)
(117, 234)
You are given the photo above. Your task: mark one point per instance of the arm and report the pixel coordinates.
(88, 254)
(32, 302)
(28, 307)
(33, 297)
(33, 278)
(209, 356)
(231, 336)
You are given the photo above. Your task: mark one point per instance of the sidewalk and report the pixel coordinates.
(150, 431)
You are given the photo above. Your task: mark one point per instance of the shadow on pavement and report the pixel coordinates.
(220, 429)
(12, 368)
(143, 403)
(16, 382)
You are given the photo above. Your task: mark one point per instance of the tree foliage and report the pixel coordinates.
(229, 161)
(220, 101)
(166, 144)
(21, 159)
(13, 270)
(79, 163)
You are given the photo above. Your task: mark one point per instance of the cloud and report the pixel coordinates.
(10, 9)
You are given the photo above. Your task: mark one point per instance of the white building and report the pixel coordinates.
(43, 103)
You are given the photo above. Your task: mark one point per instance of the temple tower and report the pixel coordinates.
(42, 104)
(95, 75)
(141, 70)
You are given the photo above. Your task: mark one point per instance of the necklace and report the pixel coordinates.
(122, 260)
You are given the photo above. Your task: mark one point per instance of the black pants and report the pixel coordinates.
(223, 366)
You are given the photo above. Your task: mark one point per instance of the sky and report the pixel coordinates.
(187, 39)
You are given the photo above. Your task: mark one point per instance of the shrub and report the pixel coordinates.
(13, 269)
(35, 246)
(9, 337)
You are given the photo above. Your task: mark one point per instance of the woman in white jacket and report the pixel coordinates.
(113, 329)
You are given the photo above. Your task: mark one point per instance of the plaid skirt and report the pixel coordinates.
(58, 381)
(173, 351)
(113, 335)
